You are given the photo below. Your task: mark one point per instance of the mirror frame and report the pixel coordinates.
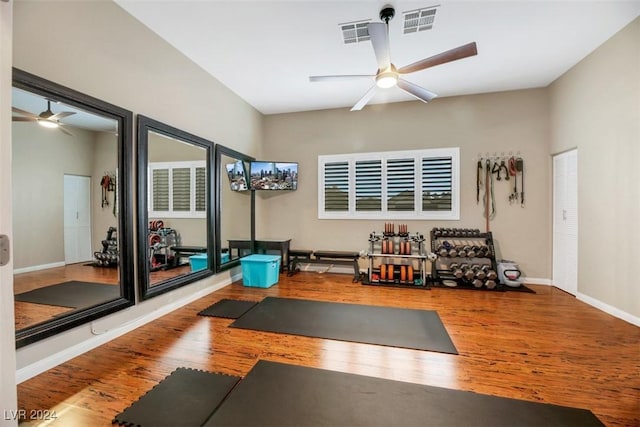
(221, 150)
(145, 125)
(40, 86)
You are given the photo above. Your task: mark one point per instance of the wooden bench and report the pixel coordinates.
(331, 258)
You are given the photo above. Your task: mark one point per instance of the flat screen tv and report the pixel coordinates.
(274, 175)
(237, 176)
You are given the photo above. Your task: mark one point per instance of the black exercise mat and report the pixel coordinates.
(73, 294)
(185, 398)
(397, 327)
(276, 394)
(228, 308)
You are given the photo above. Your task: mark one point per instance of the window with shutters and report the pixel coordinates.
(416, 184)
(178, 189)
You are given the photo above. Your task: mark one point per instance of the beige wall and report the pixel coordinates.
(595, 107)
(105, 160)
(41, 158)
(104, 52)
(508, 122)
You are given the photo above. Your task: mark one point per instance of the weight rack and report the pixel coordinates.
(397, 252)
(465, 259)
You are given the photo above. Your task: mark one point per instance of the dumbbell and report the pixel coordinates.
(490, 284)
(491, 274)
(456, 270)
(469, 274)
(477, 283)
(472, 252)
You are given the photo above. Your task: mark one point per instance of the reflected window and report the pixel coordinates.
(178, 189)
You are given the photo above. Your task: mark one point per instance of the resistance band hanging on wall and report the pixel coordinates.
(504, 168)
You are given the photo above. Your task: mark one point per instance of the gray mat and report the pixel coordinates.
(275, 394)
(228, 308)
(73, 294)
(396, 327)
(186, 398)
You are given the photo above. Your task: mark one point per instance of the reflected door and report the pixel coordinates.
(77, 219)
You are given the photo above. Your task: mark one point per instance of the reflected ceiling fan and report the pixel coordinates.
(46, 119)
(388, 75)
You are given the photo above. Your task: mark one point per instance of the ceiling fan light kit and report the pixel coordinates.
(46, 119)
(388, 75)
(47, 123)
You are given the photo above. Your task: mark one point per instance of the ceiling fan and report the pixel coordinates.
(388, 75)
(46, 119)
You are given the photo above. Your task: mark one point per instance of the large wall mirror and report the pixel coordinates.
(175, 236)
(235, 208)
(72, 207)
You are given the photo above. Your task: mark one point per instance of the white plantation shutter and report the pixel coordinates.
(201, 189)
(181, 189)
(416, 184)
(336, 187)
(177, 189)
(401, 185)
(437, 183)
(369, 185)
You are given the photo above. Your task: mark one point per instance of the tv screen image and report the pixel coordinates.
(237, 176)
(274, 176)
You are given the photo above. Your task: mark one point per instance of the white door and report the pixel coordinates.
(77, 219)
(565, 221)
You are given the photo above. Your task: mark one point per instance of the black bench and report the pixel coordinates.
(331, 258)
(295, 254)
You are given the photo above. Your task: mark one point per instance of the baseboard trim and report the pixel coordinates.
(38, 267)
(609, 309)
(537, 281)
(100, 338)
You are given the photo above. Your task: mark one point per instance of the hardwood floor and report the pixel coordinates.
(29, 314)
(545, 347)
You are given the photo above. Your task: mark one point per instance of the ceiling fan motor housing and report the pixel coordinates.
(387, 13)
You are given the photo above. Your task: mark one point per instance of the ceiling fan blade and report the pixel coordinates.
(363, 101)
(419, 92)
(61, 115)
(441, 58)
(22, 119)
(379, 34)
(339, 77)
(24, 113)
(63, 130)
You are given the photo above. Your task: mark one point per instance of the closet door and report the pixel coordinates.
(565, 221)
(77, 219)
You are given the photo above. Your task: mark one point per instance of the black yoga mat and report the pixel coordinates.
(276, 394)
(397, 327)
(228, 308)
(185, 398)
(73, 294)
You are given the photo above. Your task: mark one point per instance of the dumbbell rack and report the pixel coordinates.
(109, 256)
(406, 253)
(465, 259)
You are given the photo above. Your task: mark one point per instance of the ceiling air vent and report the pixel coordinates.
(355, 32)
(419, 20)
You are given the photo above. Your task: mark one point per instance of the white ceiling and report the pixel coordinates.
(265, 51)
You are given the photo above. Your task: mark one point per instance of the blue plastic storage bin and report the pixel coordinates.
(198, 262)
(224, 257)
(260, 271)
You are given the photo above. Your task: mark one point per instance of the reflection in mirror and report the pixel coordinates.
(67, 222)
(234, 207)
(174, 236)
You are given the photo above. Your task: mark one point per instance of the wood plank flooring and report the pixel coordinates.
(29, 314)
(545, 347)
